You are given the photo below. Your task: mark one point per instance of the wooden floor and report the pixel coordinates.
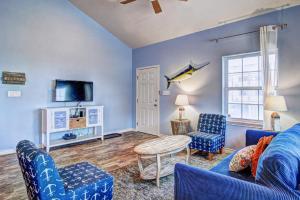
(109, 155)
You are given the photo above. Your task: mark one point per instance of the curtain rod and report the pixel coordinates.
(279, 26)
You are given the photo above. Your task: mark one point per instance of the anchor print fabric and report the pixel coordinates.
(44, 181)
(210, 135)
(85, 181)
(39, 172)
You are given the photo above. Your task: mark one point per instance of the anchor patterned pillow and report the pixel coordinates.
(242, 159)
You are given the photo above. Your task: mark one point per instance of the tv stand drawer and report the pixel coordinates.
(79, 122)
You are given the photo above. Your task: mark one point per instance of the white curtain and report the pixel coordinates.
(269, 61)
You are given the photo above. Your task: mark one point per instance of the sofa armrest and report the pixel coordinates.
(196, 184)
(253, 136)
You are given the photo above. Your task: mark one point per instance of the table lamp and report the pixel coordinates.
(275, 103)
(181, 101)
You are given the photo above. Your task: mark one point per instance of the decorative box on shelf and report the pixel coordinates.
(181, 127)
(57, 120)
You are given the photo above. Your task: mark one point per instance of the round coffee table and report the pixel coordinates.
(159, 147)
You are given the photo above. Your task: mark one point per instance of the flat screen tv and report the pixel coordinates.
(73, 91)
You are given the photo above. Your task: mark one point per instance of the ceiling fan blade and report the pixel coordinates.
(156, 6)
(127, 1)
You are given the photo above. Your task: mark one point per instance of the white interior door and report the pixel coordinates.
(147, 100)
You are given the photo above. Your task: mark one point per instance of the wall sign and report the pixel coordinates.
(13, 78)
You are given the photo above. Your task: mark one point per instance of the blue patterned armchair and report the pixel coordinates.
(44, 181)
(210, 134)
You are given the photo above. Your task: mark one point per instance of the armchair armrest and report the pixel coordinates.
(196, 184)
(253, 136)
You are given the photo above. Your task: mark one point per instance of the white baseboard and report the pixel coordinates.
(7, 151)
(120, 131)
(12, 151)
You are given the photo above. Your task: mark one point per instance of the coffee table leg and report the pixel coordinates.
(158, 169)
(188, 153)
(140, 164)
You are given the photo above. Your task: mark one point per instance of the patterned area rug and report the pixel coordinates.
(128, 184)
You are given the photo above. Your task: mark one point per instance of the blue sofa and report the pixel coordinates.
(277, 177)
(44, 181)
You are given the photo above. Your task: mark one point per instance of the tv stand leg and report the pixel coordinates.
(47, 142)
(43, 141)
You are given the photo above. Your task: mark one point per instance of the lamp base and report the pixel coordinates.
(181, 112)
(275, 121)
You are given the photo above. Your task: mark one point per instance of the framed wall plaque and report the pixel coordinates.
(13, 78)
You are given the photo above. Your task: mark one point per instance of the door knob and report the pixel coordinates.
(155, 105)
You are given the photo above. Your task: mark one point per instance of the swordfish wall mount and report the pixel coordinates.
(185, 73)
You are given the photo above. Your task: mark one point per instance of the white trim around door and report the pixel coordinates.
(148, 99)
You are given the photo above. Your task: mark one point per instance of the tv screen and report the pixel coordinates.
(68, 91)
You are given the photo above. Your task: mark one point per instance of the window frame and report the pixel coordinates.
(226, 89)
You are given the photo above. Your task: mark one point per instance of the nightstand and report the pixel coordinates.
(181, 127)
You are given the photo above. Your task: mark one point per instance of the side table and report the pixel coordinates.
(181, 127)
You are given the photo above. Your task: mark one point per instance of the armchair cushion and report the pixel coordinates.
(206, 142)
(85, 181)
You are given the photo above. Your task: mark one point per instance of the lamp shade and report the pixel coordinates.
(182, 100)
(276, 103)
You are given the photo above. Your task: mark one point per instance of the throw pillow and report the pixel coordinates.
(260, 147)
(242, 159)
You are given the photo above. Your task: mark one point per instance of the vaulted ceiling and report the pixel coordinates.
(137, 25)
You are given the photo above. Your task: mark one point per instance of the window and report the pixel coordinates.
(242, 89)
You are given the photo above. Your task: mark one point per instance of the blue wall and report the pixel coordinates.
(52, 39)
(205, 87)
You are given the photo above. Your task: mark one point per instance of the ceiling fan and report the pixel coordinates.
(155, 4)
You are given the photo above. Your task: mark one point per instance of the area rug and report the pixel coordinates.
(128, 184)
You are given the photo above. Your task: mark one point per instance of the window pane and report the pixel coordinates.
(261, 97)
(261, 112)
(234, 65)
(234, 110)
(250, 79)
(250, 96)
(261, 79)
(250, 64)
(234, 96)
(260, 63)
(235, 80)
(250, 112)
(272, 61)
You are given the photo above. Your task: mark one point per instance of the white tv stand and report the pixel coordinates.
(64, 119)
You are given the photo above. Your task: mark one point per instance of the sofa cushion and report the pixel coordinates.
(279, 165)
(242, 159)
(223, 168)
(260, 148)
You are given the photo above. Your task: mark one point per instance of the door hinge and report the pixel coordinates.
(137, 124)
(137, 100)
(137, 77)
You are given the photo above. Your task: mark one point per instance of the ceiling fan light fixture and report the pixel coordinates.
(156, 6)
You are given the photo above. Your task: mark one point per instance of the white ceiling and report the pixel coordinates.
(137, 25)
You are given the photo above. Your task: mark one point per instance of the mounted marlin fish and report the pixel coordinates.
(185, 73)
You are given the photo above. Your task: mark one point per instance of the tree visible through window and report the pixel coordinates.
(243, 87)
